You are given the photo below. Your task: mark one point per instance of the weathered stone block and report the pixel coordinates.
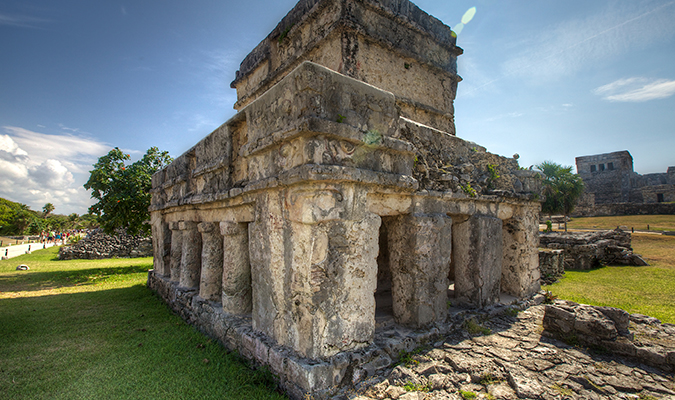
(420, 247)
(478, 252)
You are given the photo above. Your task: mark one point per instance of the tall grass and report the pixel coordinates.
(92, 330)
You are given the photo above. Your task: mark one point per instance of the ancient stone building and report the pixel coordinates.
(609, 180)
(330, 223)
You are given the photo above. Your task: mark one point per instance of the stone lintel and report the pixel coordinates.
(187, 225)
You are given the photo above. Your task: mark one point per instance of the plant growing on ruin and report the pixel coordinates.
(123, 191)
(549, 297)
(561, 390)
(475, 328)
(488, 379)
(406, 358)
(340, 118)
(493, 175)
(417, 387)
(285, 32)
(562, 189)
(466, 395)
(469, 190)
(549, 226)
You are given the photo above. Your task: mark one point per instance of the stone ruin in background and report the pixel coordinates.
(566, 251)
(332, 221)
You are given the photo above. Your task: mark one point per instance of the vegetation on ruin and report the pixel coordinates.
(123, 191)
(90, 329)
(644, 290)
(639, 222)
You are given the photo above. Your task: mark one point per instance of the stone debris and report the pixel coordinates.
(586, 250)
(614, 330)
(516, 361)
(98, 244)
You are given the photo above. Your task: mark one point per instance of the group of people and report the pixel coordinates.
(57, 237)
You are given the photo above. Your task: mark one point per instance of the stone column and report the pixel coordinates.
(212, 261)
(176, 250)
(419, 257)
(236, 270)
(520, 259)
(161, 244)
(191, 252)
(313, 252)
(477, 255)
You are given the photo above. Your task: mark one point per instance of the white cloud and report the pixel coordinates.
(21, 21)
(38, 168)
(636, 89)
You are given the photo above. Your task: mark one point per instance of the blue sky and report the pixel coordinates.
(549, 80)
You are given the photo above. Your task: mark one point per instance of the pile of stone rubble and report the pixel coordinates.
(97, 245)
(586, 250)
(511, 356)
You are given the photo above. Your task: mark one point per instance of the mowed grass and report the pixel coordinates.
(639, 222)
(645, 290)
(91, 330)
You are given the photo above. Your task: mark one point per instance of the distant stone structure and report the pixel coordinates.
(338, 203)
(612, 187)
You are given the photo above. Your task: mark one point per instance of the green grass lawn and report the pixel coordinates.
(639, 222)
(90, 329)
(644, 290)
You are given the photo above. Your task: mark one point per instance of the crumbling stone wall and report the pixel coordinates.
(586, 250)
(339, 200)
(97, 245)
(551, 265)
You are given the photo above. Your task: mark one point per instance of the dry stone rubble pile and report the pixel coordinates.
(98, 245)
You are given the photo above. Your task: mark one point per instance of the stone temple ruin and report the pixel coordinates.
(332, 221)
(612, 187)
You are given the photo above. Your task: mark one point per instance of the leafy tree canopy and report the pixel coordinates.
(15, 218)
(562, 189)
(123, 191)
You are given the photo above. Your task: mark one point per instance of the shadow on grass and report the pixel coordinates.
(115, 343)
(33, 281)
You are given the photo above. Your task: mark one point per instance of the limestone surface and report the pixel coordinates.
(515, 361)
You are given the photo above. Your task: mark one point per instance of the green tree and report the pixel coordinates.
(562, 189)
(123, 191)
(47, 209)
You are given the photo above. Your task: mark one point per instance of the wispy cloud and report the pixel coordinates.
(636, 89)
(21, 21)
(39, 168)
(574, 44)
(219, 69)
